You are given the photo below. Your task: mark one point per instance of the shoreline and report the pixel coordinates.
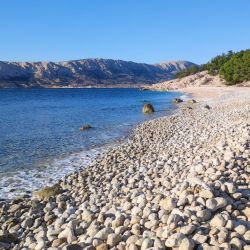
(21, 183)
(175, 184)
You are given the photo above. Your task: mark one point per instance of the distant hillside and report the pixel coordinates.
(87, 72)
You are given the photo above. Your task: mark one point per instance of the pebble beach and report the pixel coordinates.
(179, 182)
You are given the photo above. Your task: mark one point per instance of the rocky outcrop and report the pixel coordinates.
(87, 72)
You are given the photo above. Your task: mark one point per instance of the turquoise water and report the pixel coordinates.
(40, 140)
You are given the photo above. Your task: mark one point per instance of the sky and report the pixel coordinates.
(149, 31)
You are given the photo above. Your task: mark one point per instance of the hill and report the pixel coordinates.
(86, 73)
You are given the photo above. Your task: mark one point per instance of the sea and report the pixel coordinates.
(40, 137)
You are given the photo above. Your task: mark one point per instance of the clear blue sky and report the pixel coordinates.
(148, 31)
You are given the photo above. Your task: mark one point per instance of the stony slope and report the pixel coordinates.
(195, 80)
(87, 72)
(181, 182)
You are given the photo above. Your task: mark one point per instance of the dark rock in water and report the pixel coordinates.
(148, 108)
(177, 100)
(207, 107)
(85, 127)
(192, 101)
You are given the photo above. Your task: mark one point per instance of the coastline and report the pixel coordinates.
(175, 183)
(20, 181)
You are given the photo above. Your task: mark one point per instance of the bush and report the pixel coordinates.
(233, 67)
(213, 67)
(187, 72)
(237, 69)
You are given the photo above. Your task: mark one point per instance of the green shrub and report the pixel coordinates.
(237, 69)
(213, 67)
(233, 67)
(187, 72)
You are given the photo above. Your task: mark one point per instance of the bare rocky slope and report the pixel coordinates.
(195, 80)
(87, 72)
(200, 79)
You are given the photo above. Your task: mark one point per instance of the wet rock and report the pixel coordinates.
(48, 192)
(148, 108)
(85, 127)
(177, 100)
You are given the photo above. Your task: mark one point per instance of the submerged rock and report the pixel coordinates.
(85, 127)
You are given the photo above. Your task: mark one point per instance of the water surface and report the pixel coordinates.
(40, 140)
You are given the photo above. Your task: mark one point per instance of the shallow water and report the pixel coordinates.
(40, 141)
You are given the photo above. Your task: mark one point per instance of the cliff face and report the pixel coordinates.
(87, 72)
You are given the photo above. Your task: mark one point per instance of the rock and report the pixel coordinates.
(40, 245)
(187, 244)
(191, 101)
(177, 100)
(216, 203)
(240, 229)
(207, 107)
(168, 204)
(132, 239)
(74, 247)
(236, 243)
(187, 230)
(246, 237)
(230, 187)
(48, 192)
(9, 238)
(68, 234)
(58, 242)
(200, 238)
(85, 127)
(147, 243)
(174, 240)
(206, 193)
(4, 246)
(103, 233)
(132, 247)
(87, 216)
(27, 223)
(15, 207)
(218, 221)
(113, 239)
(204, 215)
(148, 108)
(103, 246)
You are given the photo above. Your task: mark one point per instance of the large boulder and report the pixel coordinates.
(148, 108)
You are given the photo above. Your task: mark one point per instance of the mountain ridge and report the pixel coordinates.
(86, 72)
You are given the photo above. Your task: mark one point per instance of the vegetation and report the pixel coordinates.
(237, 69)
(187, 72)
(213, 67)
(233, 67)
